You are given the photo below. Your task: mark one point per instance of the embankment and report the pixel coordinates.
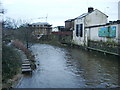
(12, 61)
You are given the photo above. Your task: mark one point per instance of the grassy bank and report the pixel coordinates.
(19, 45)
(11, 63)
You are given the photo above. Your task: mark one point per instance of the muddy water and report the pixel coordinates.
(70, 68)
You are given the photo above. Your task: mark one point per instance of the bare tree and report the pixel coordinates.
(18, 29)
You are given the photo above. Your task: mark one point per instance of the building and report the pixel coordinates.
(41, 28)
(92, 17)
(92, 31)
(58, 28)
(69, 25)
(62, 35)
(55, 29)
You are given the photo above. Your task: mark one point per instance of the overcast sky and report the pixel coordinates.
(57, 10)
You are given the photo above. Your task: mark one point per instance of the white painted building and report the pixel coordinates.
(93, 17)
(55, 29)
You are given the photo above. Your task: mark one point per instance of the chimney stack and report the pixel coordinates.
(90, 9)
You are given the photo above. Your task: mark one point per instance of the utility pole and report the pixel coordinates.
(1, 20)
(1, 9)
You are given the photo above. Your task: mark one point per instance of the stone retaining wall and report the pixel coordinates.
(105, 46)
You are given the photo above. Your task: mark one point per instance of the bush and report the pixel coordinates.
(10, 62)
(18, 44)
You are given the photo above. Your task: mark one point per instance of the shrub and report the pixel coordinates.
(10, 62)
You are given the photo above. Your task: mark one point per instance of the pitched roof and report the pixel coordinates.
(85, 14)
(101, 12)
(69, 20)
(81, 16)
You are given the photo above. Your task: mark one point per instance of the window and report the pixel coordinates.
(79, 30)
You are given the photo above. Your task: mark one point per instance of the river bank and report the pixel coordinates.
(15, 78)
(9, 69)
(23, 53)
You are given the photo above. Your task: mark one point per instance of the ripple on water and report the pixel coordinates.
(70, 68)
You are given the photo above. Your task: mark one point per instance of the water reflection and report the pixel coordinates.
(97, 69)
(70, 68)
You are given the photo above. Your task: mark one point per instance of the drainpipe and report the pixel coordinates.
(89, 37)
(84, 35)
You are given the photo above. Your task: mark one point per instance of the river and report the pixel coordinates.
(64, 67)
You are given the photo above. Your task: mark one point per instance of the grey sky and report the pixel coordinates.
(57, 10)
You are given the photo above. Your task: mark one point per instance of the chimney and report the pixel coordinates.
(90, 9)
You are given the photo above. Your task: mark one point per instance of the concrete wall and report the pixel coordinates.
(104, 44)
(93, 35)
(95, 18)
